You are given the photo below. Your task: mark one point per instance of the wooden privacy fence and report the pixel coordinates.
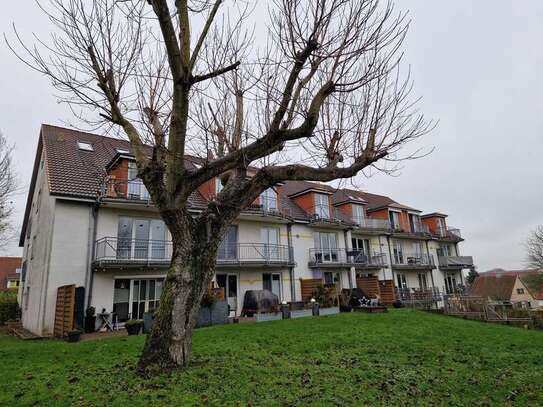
(64, 311)
(308, 286)
(372, 286)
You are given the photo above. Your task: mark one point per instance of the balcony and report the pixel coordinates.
(404, 260)
(267, 207)
(448, 234)
(132, 190)
(114, 252)
(345, 258)
(324, 215)
(455, 262)
(372, 224)
(418, 229)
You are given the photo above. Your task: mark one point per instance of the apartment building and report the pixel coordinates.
(89, 221)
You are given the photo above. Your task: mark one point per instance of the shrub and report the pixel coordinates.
(9, 309)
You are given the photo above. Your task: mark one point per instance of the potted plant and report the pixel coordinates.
(90, 319)
(133, 326)
(74, 336)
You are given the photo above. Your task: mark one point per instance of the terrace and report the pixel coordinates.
(345, 258)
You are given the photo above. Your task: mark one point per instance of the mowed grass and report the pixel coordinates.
(399, 358)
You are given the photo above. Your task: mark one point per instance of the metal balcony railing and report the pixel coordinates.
(119, 250)
(254, 253)
(125, 189)
(412, 259)
(268, 207)
(346, 257)
(448, 233)
(368, 223)
(328, 214)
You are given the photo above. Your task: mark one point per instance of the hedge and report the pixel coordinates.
(9, 309)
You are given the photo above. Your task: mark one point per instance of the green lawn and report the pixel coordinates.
(400, 358)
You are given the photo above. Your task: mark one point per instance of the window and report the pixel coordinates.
(84, 146)
(520, 290)
(272, 282)
(397, 250)
(445, 250)
(322, 206)
(325, 247)
(423, 284)
(394, 218)
(218, 185)
(358, 214)
(331, 277)
(417, 246)
(141, 239)
(228, 249)
(441, 226)
(268, 200)
(132, 298)
(270, 238)
(402, 281)
(414, 223)
(136, 189)
(229, 282)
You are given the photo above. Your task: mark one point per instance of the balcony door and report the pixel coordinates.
(322, 206)
(270, 238)
(397, 250)
(358, 214)
(272, 282)
(141, 239)
(229, 282)
(136, 189)
(145, 296)
(394, 218)
(326, 245)
(268, 200)
(361, 248)
(228, 249)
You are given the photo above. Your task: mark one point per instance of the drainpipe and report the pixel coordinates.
(347, 247)
(391, 261)
(291, 262)
(431, 270)
(89, 275)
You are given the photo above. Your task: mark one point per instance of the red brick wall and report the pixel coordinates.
(8, 265)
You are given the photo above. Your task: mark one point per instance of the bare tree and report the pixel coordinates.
(8, 187)
(191, 79)
(534, 247)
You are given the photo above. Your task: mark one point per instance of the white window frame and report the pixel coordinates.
(135, 185)
(322, 205)
(392, 218)
(359, 215)
(280, 295)
(268, 200)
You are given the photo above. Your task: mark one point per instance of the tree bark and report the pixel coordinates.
(169, 344)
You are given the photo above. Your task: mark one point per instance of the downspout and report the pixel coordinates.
(391, 261)
(431, 270)
(291, 263)
(89, 276)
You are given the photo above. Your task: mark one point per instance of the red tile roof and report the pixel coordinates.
(495, 287)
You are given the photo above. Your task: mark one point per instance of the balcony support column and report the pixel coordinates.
(291, 261)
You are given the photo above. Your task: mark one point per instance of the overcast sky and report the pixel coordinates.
(476, 63)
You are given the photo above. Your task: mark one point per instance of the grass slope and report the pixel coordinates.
(400, 358)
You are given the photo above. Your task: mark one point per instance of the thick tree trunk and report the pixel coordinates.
(169, 345)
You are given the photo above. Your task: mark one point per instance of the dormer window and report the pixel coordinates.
(84, 146)
(322, 206)
(358, 214)
(415, 223)
(268, 200)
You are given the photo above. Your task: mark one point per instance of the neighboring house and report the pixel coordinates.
(10, 273)
(89, 222)
(518, 287)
